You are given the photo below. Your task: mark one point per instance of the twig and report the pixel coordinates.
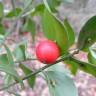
(43, 68)
(28, 59)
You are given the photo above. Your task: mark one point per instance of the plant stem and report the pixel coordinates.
(43, 68)
(14, 7)
(29, 59)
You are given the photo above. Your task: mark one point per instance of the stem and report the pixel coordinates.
(43, 68)
(14, 7)
(29, 59)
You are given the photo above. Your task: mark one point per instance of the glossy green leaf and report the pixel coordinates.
(11, 13)
(87, 34)
(70, 32)
(1, 10)
(30, 26)
(26, 70)
(86, 67)
(60, 83)
(54, 30)
(92, 54)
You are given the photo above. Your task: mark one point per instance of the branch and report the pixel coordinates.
(28, 59)
(43, 68)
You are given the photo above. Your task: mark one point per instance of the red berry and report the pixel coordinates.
(47, 52)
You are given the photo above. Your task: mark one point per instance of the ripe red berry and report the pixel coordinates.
(47, 52)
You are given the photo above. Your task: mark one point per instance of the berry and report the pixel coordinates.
(47, 52)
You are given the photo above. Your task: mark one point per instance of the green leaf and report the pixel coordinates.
(73, 66)
(11, 13)
(87, 34)
(7, 80)
(2, 30)
(59, 68)
(30, 27)
(55, 3)
(47, 5)
(39, 9)
(86, 67)
(9, 59)
(10, 70)
(60, 84)
(19, 51)
(31, 80)
(11, 63)
(9, 55)
(20, 55)
(54, 30)
(4, 60)
(1, 10)
(70, 32)
(92, 54)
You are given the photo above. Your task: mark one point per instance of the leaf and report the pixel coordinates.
(92, 54)
(19, 51)
(11, 13)
(39, 9)
(9, 60)
(60, 84)
(70, 32)
(11, 63)
(55, 3)
(47, 5)
(10, 70)
(9, 56)
(59, 68)
(86, 67)
(2, 30)
(72, 66)
(3, 59)
(31, 80)
(87, 34)
(30, 27)
(7, 80)
(1, 10)
(54, 30)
